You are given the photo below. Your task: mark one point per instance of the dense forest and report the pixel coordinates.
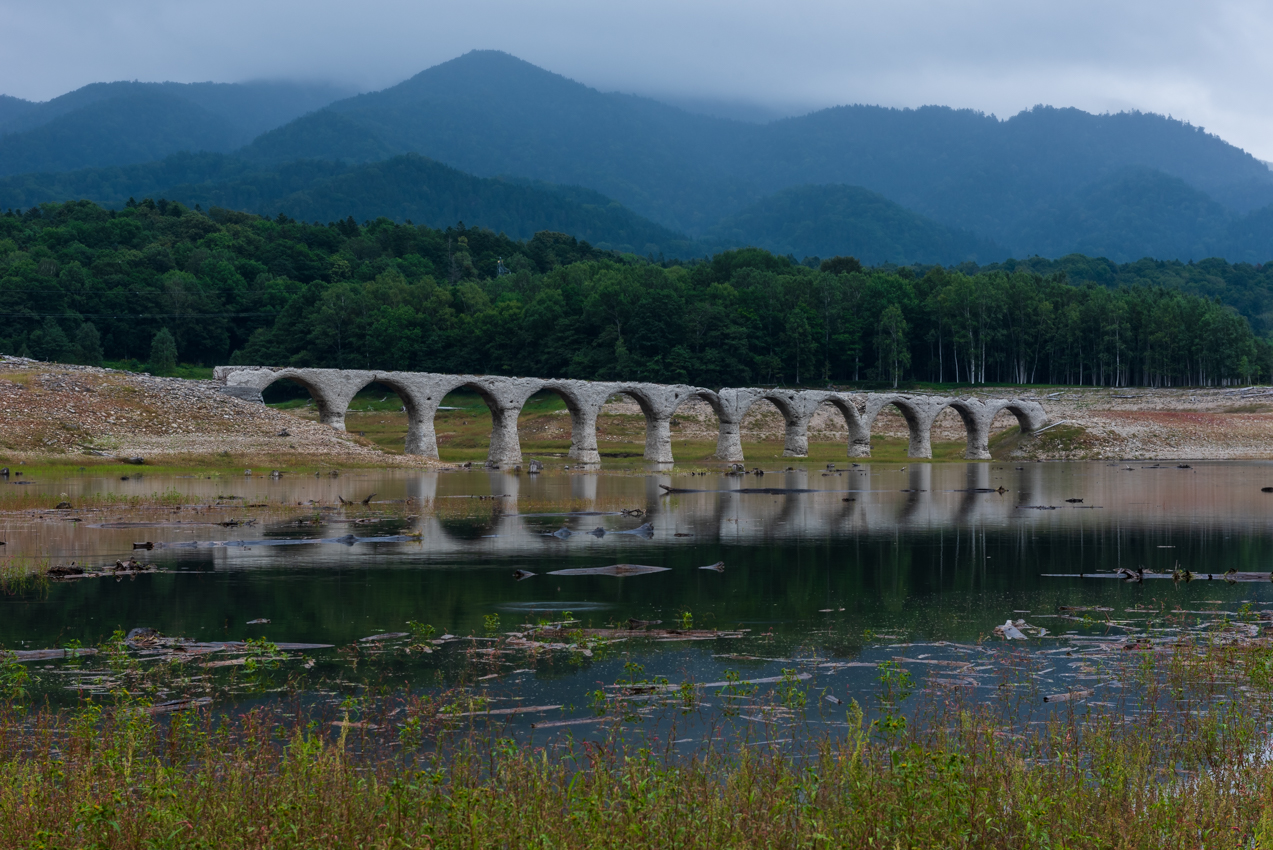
(82, 283)
(403, 188)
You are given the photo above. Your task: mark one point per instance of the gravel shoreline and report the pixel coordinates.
(55, 410)
(50, 410)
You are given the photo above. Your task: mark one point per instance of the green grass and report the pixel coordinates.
(183, 370)
(1065, 440)
(955, 773)
(464, 434)
(769, 452)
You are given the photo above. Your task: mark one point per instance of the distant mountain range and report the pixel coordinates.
(497, 142)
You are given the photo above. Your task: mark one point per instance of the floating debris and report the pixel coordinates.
(746, 491)
(612, 570)
(47, 654)
(346, 540)
(1009, 631)
(646, 530)
(1232, 576)
(523, 709)
(178, 705)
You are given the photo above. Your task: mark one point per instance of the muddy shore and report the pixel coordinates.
(59, 413)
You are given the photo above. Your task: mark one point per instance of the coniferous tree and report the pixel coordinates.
(88, 345)
(163, 352)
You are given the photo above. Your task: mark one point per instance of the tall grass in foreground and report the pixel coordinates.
(1184, 770)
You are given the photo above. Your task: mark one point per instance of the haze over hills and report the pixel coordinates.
(409, 187)
(826, 221)
(128, 122)
(933, 184)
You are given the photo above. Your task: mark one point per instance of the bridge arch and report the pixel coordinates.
(331, 389)
(658, 402)
(584, 401)
(1030, 414)
(978, 418)
(976, 426)
(504, 398)
(796, 408)
(713, 401)
(918, 413)
(422, 393)
(859, 431)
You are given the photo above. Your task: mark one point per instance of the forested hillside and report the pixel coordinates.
(404, 188)
(78, 282)
(1044, 181)
(124, 123)
(823, 221)
(959, 183)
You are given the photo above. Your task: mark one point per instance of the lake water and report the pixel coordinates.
(872, 558)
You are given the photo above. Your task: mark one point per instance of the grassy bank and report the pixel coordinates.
(1185, 769)
(463, 434)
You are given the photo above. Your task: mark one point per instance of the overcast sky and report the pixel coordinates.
(1206, 62)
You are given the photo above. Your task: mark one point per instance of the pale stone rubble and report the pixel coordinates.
(50, 408)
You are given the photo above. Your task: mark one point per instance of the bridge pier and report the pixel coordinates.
(658, 439)
(799, 412)
(584, 400)
(926, 410)
(658, 402)
(422, 440)
(859, 438)
(977, 418)
(729, 442)
(731, 406)
(505, 397)
(583, 436)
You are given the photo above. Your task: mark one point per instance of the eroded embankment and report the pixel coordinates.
(53, 410)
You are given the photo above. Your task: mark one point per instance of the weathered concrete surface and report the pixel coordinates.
(422, 393)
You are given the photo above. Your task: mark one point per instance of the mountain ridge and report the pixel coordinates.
(1044, 181)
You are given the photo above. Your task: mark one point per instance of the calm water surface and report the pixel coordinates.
(875, 554)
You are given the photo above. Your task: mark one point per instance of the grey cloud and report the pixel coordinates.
(1205, 62)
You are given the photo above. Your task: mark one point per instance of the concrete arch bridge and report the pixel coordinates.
(422, 394)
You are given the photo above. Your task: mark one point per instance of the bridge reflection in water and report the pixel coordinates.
(422, 394)
(1168, 509)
